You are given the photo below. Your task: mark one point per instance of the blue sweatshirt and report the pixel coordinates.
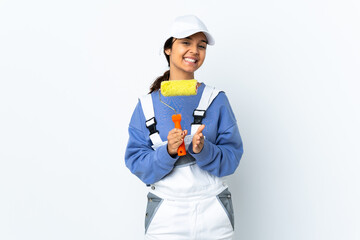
(222, 149)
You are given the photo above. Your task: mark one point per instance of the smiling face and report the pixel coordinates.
(186, 56)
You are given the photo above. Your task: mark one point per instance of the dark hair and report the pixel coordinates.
(156, 84)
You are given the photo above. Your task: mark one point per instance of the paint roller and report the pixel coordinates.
(178, 88)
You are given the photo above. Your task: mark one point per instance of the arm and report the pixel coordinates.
(222, 157)
(147, 164)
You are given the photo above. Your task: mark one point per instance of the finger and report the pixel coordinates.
(200, 129)
(174, 134)
(174, 137)
(174, 145)
(175, 131)
(195, 139)
(175, 140)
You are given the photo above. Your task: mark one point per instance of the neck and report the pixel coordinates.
(180, 76)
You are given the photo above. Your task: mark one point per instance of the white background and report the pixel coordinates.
(70, 75)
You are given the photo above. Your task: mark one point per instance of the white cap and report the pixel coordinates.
(187, 25)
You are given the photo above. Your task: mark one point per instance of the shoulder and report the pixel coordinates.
(218, 95)
(221, 106)
(146, 101)
(222, 98)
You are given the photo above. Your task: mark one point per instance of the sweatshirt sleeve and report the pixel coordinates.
(147, 164)
(222, 157)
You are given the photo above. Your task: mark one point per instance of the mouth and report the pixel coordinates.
(190, 60)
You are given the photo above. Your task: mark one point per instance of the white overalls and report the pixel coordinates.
(189, 203)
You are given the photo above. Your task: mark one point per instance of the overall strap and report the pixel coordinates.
(148, 109)
(208, 95)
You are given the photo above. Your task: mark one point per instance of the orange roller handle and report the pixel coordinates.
(177, 119)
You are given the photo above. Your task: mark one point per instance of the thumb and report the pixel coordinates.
(200, 129)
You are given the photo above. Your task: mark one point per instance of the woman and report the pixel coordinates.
(188, 198)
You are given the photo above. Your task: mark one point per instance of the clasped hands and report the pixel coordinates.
(176, 137)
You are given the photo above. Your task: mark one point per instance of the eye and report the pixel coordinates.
(185, 42)
(202, 46)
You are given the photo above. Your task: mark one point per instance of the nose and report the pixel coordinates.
(194, 49)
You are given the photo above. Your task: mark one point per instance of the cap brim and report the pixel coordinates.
(209, 37)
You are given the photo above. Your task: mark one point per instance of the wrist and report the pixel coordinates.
(171, 153)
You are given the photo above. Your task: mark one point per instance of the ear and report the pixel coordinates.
(168, 51)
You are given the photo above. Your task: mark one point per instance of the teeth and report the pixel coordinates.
(190, 60)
